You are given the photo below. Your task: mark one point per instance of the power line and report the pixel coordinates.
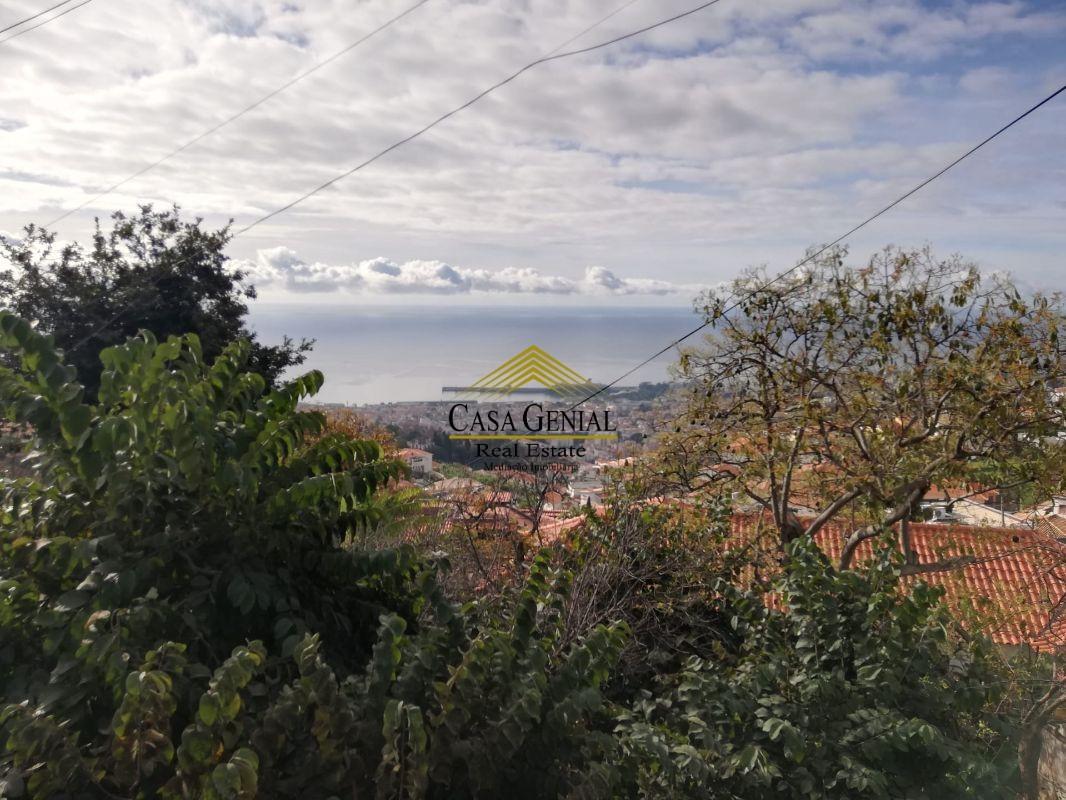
(35, 16)
(550, 57)
(62, 13)
(499, 84)
(821, 250)
(593, 26)
(233, 118)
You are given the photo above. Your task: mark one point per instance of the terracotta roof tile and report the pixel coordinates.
(1017, 580)
(551, 531)
(1052, 525)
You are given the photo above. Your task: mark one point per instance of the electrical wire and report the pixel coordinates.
(234, 117)
(822, 249)
(550, 57)
(592, 27)
(35, 16)
(480, 95)
(62, 13)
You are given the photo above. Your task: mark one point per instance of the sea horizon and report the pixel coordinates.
(380, 353)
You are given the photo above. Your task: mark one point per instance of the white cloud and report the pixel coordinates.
(987, 81)
(280, 267)
(738, 136)
(878, 31)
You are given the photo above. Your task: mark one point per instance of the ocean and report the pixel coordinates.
(378, 354)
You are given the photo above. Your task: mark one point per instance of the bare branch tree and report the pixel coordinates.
(854, 391)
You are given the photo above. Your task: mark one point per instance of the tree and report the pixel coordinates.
(840, 391)
(531, 491)
(151, 271)
(358, 426)
(181, 615)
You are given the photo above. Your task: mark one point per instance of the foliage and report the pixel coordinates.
(182, 507)
(190, 525)
(448, 711)
(847, 689)
(354, 425)
(448, 450)
(396, 508)
(854, 391)
(151, 271)
(183, 615)
(655, 568)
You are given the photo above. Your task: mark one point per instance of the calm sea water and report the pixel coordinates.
(382, 354)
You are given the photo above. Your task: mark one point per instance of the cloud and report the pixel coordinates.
(738, 136)
(282, 268)
(987, 81)
(874, 31)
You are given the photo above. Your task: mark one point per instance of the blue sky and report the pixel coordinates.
(736, 137)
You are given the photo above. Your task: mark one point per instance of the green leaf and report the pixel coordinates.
(209, 708)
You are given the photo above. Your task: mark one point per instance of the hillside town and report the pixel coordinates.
(532, 399)
(425, 425)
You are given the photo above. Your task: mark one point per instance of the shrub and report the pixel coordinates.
(181, 617)
(849, 688)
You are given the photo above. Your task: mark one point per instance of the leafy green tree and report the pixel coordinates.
(181, 506)
(450, 451)
(150, 271)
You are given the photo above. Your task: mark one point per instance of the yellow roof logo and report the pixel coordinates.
(529, 367)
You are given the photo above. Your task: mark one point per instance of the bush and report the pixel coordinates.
(656, 568)
(849, 688)
(447, 712)
(180, 616)
(183, 616)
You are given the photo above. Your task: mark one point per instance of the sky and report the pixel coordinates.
(640, 173)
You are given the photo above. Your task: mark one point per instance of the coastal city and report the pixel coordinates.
(532, 399)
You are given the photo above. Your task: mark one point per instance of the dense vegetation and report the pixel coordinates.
(150, 271)
(183, 614)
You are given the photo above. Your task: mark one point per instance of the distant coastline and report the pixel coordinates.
(380, 354)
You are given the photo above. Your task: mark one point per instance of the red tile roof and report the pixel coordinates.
(1052, 525)
(488, 519)
(970, 492)
(1017, 579)
(551, 531)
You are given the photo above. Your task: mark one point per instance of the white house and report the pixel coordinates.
(420, 462)
(586, 489)
(966, 511)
